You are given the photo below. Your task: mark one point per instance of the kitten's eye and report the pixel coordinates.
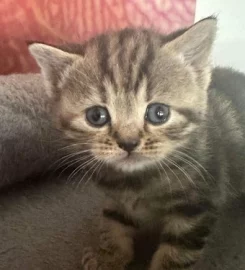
(157, 113)
(97, 116)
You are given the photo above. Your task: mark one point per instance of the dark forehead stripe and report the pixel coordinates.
(127, 56)
(134, 64)
(145, 64)
(140, 55)
(103, 56)
(123, 39)
(122, 48)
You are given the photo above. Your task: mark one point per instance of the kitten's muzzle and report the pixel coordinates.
(129, 145)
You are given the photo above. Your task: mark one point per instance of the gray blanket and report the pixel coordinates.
(45, 225)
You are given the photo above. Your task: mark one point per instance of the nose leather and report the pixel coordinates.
(128, 146)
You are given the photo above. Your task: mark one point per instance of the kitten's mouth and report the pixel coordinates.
(132, 157)
(130, 162)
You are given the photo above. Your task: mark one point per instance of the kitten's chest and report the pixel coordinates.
(143, 207)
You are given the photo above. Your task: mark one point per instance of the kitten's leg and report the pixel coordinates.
(184, 234)
(116, 243)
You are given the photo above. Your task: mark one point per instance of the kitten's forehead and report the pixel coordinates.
(123, 58)
(126, 105)
(129, 67)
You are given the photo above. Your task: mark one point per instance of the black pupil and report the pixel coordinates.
(97, 115)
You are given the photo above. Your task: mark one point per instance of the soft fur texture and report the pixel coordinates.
(27, 137)
(46, 223)
(177, 175)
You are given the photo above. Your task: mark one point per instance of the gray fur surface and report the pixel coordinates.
(26, 137)
(44, 226)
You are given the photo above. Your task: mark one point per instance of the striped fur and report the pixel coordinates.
(178, 176)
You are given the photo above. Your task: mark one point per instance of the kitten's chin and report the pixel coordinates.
(131, 163)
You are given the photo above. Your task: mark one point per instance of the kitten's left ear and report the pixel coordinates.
(195, 44)
(53, 63)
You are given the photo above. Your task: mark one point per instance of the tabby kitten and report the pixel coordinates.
(139, 113)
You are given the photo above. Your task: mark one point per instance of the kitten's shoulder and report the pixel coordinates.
(228, 80)
(229, 85)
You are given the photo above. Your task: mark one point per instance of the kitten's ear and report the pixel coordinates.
(195, 44)
(53, 62)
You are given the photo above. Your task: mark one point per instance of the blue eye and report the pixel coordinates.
(97, 116)
(157, 113)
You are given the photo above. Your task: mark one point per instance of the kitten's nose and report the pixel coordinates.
(128, 146)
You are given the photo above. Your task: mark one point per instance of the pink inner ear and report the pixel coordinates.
(53, 21)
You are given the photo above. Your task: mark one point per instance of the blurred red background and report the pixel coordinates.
(57, 21)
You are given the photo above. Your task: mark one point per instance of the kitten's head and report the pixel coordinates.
(130, 98)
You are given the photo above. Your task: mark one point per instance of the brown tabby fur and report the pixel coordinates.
(179, 175)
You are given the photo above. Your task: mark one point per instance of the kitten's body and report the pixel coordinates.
(179, 172)
(220, 172)
(149, 206)
(170, 171)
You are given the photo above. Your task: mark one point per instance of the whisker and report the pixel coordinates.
(165, 172)
(93, 166)
(66, 158)
(98, 168)
(71, 163)
(80, 168)
(182, 170)
(71, 146)
(176, 176)
(197, 163)
(192, 166)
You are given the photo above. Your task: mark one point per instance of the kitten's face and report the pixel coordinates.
(131, 125)
(131, 102)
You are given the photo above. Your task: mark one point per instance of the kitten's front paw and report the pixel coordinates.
(92, 260)
(89, 260)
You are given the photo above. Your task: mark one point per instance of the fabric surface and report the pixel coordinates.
(44, 227)
(57, 21)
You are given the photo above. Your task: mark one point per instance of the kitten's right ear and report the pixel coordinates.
(195, 44)
(53, 63)
(194, 48)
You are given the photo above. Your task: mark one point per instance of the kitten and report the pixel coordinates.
(139, 112)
